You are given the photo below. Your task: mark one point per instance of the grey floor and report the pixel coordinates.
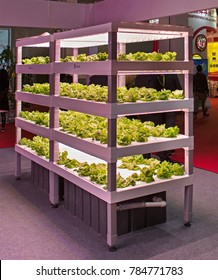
(31, 229)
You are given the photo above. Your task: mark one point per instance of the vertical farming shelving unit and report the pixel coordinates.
(115, 37)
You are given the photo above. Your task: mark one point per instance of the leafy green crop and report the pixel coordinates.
(142, 56)
(102, 56)
(168, 169)
(171, 132)
(40, 118)
(100, 93)
(39, 144)
(37, 88)
(36, 60)
(95, 127)
(147, 174)
(176, 94)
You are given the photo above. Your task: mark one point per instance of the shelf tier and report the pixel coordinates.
(33, 128)
(149, 67)
(39, 99)
(108, 154)
(34, 68)
(151, 188)
(104, 109)
(37, 41)
(126, 193)
(113, 110)
(141, 107)
(110, 197)
(86, 68)
(101, 151)
(28, 153)
(113, 67)
(159, 144)
(110, 67)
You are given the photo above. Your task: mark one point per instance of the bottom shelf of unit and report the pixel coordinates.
(122, 194)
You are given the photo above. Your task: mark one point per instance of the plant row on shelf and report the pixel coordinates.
(103, 56)
(100, 93)
(95, 128)
(139, 169)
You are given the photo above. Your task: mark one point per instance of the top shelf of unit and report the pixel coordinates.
(98, 35)
(42, 40)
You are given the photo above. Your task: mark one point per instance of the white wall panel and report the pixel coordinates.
(45, 14)
(139, 10)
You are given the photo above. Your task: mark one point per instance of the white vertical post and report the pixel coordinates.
(53, 188)
(75, 76)
(54, 124)
(18, 165)
(112, 142)
(18, 109)
(121, 48)
(188, 201)
(188, 193)
(111, 224)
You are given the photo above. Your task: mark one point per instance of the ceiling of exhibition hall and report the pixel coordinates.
(68, 14)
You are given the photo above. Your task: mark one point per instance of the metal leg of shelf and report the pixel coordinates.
(188, 199)
(53, 188)
(111, 225)
(17, 165)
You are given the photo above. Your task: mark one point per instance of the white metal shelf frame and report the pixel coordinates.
(115, 35)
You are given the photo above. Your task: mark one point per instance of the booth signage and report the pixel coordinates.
(212, 51)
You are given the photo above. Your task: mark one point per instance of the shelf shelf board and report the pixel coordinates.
(93, 148)
(113, 67)
(45, 69)
(154, 145)
(143, 107)
(39, 99)
(151, 67)
(109, 67)
(127, 193)
(151, 188)
(112, 154)
(83, 106)
(82, 182)
(28, 153)
(42, 40)
(85, 68)
(104, 109)
(115, 109)
(33, 128)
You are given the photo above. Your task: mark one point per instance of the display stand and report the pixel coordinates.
(112, 35)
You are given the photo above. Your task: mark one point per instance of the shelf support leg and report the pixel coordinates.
(18, 165)
(53, 188)
(188, 199)
(111, 224)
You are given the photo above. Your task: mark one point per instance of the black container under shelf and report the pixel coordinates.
(40, 176)
(93, 211)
